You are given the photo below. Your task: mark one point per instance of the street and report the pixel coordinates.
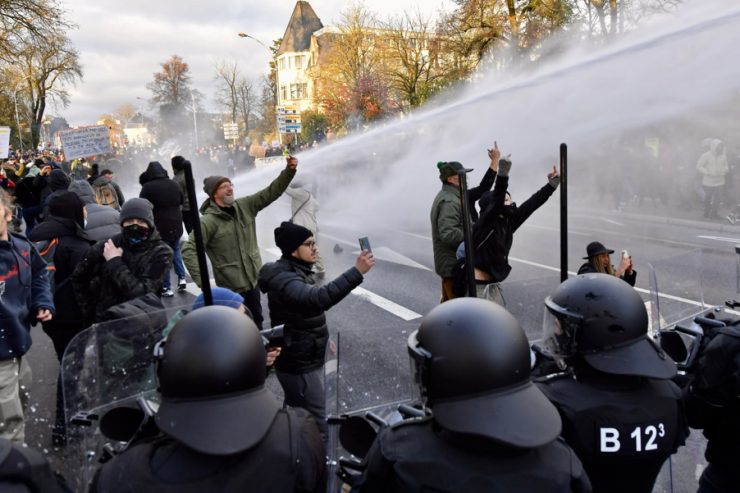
(692, 261)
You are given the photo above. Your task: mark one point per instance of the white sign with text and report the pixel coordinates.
(4, 142)
(85, 141)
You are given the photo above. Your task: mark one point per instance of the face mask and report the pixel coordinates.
(135, 234)
(509, 209)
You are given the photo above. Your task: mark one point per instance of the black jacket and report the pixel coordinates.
(295, 301)
(70, 251)
(493, 233)
(587, 268)
(291, 458)
(99, 284)
(417, 455)
(167, 199)
(475, 193)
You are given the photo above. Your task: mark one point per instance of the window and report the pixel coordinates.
(281, 64)
(284, 92)
(298, 61)
(298, 91)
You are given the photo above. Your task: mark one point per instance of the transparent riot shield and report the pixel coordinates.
(108, 365)
(676, 290)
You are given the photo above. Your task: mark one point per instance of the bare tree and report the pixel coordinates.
(246, 101)
(48, 66)
(24, 19)
(227, 79)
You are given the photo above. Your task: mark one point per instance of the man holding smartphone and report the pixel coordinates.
(295, 300)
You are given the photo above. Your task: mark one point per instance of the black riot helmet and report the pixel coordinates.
(602, 319)
(472, 363)
(211, 376)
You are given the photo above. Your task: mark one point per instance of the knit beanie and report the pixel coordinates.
(289, 236)
(138, 208)
(211, 184)
(67, 205)
(221, 296)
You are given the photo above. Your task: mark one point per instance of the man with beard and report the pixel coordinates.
(230, 237)
(493, 233)
(124, 267)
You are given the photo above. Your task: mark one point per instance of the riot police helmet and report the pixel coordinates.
(472, 363)
(211, 375)
(603, 320)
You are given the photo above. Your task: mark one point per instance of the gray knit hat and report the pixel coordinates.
(211, 184)
(138, 208)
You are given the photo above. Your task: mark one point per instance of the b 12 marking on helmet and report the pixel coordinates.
(631, 439)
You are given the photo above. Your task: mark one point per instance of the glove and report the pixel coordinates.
(554, 181)
(504, 166)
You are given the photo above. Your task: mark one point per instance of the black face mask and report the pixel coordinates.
(135, 234)
(510, 209)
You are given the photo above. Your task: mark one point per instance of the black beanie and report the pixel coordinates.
(289, 236)
(211, 184)
(138, 208)
(67, 205)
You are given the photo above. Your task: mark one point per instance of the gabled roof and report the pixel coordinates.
(303, 23)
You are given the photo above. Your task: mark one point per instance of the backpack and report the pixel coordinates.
(47, 249)
(105, 194)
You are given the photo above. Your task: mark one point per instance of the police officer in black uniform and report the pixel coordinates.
(222, 429)
(713, 404)
(621, 412)
(491, 429)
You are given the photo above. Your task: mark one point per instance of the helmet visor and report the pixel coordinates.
(559, 330)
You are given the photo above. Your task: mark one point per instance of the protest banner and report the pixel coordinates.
(85, 142)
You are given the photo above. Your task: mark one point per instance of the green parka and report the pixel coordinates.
(447, 229)
(231, 242)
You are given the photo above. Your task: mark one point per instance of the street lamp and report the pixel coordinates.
(245, 35)
(195, 121)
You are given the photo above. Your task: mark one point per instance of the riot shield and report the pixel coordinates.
(110, 364)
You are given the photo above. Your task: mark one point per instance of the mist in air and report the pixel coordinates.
(677, 80)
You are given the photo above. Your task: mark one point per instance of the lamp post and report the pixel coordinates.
(277, 79)
(195, 120)
(17, 119)
(245, 35)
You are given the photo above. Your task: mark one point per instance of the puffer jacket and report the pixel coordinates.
(99, 284)
(295, 301)
(103, 222)
(447, 229)
(713, 165)
(166, 197)
(231, 241)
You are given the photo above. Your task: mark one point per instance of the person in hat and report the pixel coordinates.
(126, 266)
(447, 225)
(220, 428)
(599, 261)
(490, 428)
(230, 236)
(620, 409)
(295, 300)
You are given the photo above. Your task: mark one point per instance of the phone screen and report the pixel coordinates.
(365, 244)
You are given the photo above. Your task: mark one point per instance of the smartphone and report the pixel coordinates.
(625, 254)
(365, 244)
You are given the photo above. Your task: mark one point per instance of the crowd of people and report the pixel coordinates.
(596, 400)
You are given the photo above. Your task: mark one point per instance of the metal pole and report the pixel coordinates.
(468, 235)
(563, 212)
(205, 280)
(17, 120)
(195, 121)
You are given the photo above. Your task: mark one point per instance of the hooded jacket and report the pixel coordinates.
(179, 178)
(295, 301)
(493, 233)
(103, 222)
(24, 289)
(102, 180)
(231, 241)
(166, 197)
(99, 284)
(713, 165)
(70, 251)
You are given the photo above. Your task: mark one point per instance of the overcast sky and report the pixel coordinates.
(122, 43)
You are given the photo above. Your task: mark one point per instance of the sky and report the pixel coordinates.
(121, 44)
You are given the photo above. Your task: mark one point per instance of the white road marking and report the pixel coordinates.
(611, 221)
(412, 234)
(386, 304)
(721, 238)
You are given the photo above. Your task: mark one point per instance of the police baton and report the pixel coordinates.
(563, 212)
(467, 234)
(205, 283)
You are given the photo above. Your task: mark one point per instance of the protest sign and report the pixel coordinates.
(4, 142)
(85, 142)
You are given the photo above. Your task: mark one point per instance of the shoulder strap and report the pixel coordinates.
(300, 207)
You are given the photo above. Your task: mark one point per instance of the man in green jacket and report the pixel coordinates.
(447, 224)
(230, 237)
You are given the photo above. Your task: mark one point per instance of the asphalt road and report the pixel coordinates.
(692, 261)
